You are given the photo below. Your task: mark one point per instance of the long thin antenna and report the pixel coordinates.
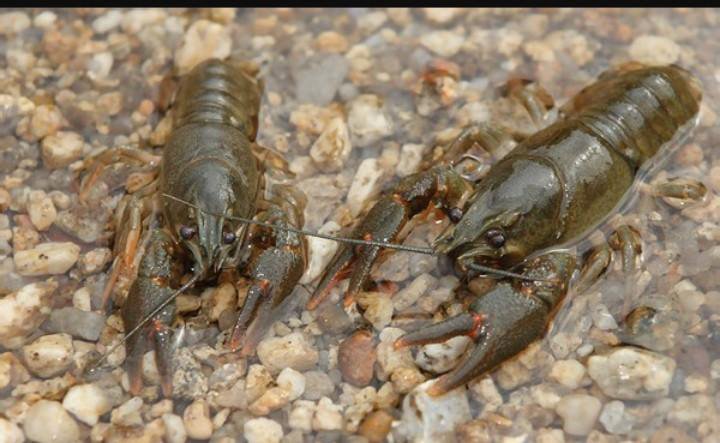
(143, 322)
(416, 249)
(355, 241)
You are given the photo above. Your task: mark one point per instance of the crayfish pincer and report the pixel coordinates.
(188, 216)
(547, 193)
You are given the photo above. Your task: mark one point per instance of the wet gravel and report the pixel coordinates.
(354, 99)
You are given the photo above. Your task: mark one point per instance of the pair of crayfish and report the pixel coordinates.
(516, 222)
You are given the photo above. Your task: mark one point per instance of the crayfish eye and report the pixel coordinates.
(495, 238)
(455, 214)
(187, 232)
(228, 237)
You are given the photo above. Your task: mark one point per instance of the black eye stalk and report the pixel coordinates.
(455, 214)
(187, 232)
(228, 237)
(495, 238)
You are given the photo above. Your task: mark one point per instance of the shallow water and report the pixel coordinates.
(74, 82)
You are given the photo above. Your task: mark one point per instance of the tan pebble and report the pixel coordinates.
(47, 258)
(197, 420)
(405, 379)
(5, 199)
(689, 155)
(376, 426)
(61, 149)
(174, 428)
(110, 102)
(671, 434)
(654, 50)
(262, 430)
(10, 432)
(12, 372)
(579, 412)
(356, 358)
(49, 355)
(47, 422)
(46, 120)
(265, 25)
(146, 107)
(41, 210)
(331, 41)
(24, 238)
(271, 400)
(203, 40)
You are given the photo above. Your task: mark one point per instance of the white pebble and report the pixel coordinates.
(428, 418)
(291, 381)
(86, 402)
(388, 357)
(61, 149)
(629, 373)
(568, 373)
(328, 416)
(107, 22)
(441, 357)
(41, 210)
(367, 121)
(301, 415)
(128, 413)
(49, 355)
(44, 20)
(23, 311)
(174, 428)
(47, 258)
(203, 40)
(443, 43)
(196, 419)
(410, 158)
(579, 413)
(262, 430)
(332, 148)
(320, 252)
(291, 351)
(9, 432)
(615, 419)
(406, 297)
(99, 66)
(365, 185)
(655, 50)
(47, 422)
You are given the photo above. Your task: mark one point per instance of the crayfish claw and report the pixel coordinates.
(469, 324)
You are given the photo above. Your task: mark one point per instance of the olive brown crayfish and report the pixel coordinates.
(545, 195)
(210, 160)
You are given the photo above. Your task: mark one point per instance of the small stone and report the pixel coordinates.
(691, 410)
(376, 426)
(94, 260)
(318, 78)
(317, 385)
(331, 41)
(550, 436)
(47, 422)
(328, 416)
(23, 311)
(365, 185)
(301, 415)
(61, 149)
(81, 299)
(10, 433)
(271, 400)
(441, 357)
(356, 358)
(406, 297)
(107, 22)
(262, 430)
(46, 120)
(568, 373)
(99, 66)
(45, 20)
(429, 418)
(696, 383)
(378, 308)
(579, 413)
(371, 21)
(615, 419)
(291, 351)
(47, 258)
(78, 323)
(628, 373)
(174, 428)
(291, 381)
(87, 402)
(485, 391)
(203, 40)
(389, 358)
(441, 15)
(196, 419)
(256, 382)
(367, 120)
(410, 159)
(222, 298)
(12, 372)
(406, 378)
(654, 50)
(332, 149)
(320, 252)
(13, 23)
(49, 355)
(128, 413)
(443, 43)
(41, 210)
